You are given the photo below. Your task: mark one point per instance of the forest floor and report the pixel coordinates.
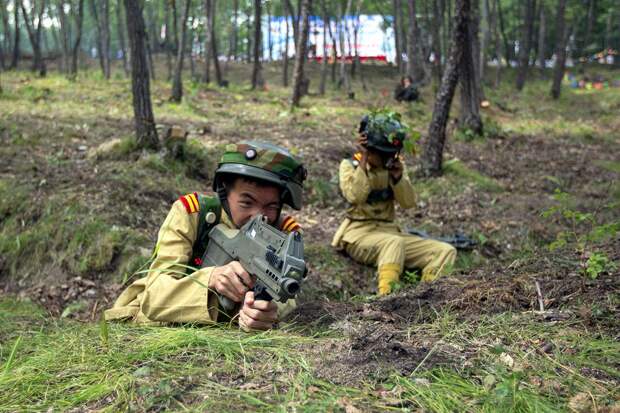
(80, 209)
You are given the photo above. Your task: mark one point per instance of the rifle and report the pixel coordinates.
(275, 258)
(458, 240)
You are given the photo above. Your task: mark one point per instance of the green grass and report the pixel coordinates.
(64, 364)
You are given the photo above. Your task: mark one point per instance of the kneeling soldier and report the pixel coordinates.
(252, 178)
(371, 181)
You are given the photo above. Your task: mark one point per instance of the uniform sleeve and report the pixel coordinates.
(403, 192)
(170, 294)
(354, 183)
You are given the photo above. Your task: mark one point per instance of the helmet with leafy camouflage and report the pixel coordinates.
(265, 162)
(384, 131)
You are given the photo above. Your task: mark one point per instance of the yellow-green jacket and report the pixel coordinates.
(167, 294)
(362, 217)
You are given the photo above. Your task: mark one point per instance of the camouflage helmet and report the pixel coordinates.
(384, 131)
(265, 162)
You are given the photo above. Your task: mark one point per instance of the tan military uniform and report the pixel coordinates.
(167, 294)
(369, 235)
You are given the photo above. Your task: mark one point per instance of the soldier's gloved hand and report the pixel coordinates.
(231, 280)
(257, 314)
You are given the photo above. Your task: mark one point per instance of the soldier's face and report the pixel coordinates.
(247, 199)
(375, 160)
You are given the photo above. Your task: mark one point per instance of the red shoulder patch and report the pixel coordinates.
(289, 224)
(190, 202)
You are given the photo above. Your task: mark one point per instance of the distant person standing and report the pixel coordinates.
(406, 91)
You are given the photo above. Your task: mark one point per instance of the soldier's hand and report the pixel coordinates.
(396, 171)
(231, 280)
(257, 314)
(362, 147)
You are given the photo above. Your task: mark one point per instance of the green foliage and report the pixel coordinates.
(598, 263)
(458, 168)
(584, 231)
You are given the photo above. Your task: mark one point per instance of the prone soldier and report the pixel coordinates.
(252, 178)
(372, 181)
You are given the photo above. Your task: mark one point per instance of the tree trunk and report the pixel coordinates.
(358, 62)
(105, 36)
(214, 54)
(16, 30)
(257, 75)
(415, 61)
(177, 83)
(589, 25)
(269, 37)
(232, 50)
(474, 28)
(287, 13)
(98, 39)
(470, 98)
(208, 49)
(190, 49)
(300, 55)
(294, 20)
(498, 44)
(325, 57)
(507, 49)
(396, 10)
(344, 78)
(334, 53)
(561, 36)
(149, 55)
(146, 134)
(121, 36)
(75, 49)
(541, 38)
(34, 34)
(486, 39)
(432, 157)
(64, 35)
(170, 17)
(8, 46)
(526, 43)
(436, 39)
(248, 55)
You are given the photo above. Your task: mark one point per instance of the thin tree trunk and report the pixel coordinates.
(167, 39)
(470, 97)
(334, 53)
(34, 34)
(149, 55)
(257, 75)
(146, 134)
(485, 39)
(105, 37)
(474, 28)
(232, 50)
(358, 62)
(502, 29)
(287, 13)
(75, 49)
(208, 43)
(436, 39)
(300, 55)
(325, 57)
(98, 39)
(414, 56)
(16, 30)
(526, 43)
(561, 37)
(121, 35)
(294, 19)
(177, 83)
(396, 10)
(190, 51)
(498, 44)
(344, 78)
(541, 38)
(216, 63)
(248, 55)
(589, 24)
(269, 37)
(8, 44)
(64, 35)
(432, 156)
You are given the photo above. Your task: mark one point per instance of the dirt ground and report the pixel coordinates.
(524, 171)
